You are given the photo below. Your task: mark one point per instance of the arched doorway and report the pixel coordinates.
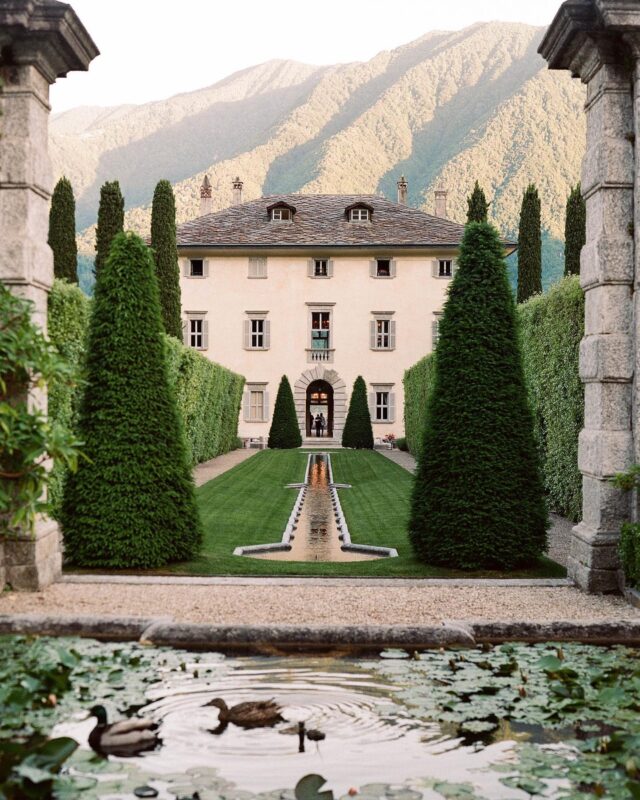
(319, 401)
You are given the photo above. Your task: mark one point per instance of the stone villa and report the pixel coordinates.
(321, 288)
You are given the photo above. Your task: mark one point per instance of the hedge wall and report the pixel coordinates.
(551, 326)
(69, 310)
(209, 398)
(417, 381)
(207, 394)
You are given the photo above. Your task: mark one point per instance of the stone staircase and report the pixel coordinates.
(321, 442)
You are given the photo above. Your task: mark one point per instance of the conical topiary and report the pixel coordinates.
(284, 433)
(529, 246)
(575, 231)
(477, 206)
(110, 221)
(357, 428)
(131, 503)
(163, 242)
(478, 499)
(62, 232)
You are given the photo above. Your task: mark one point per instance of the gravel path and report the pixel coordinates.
(317, 605)
(209, 470)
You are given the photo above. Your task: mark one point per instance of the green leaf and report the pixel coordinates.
(308, 788)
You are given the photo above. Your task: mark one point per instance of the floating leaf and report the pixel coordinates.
(308, 788)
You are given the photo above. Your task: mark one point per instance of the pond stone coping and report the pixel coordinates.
(346, 639)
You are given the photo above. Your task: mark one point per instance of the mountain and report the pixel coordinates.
(445, 109)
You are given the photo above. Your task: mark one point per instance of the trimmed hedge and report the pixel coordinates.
(208, 397)
(418, 383)
(551, 327)
(284, 433)
(69, 312)
(357, 431)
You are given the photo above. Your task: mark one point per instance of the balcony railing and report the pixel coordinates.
(320, 355)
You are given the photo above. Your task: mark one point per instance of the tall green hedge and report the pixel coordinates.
(357, 431)
(551, 327)
(69, 311)
(208, 398)
(418, 382)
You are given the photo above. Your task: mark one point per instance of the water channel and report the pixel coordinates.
(316, 537)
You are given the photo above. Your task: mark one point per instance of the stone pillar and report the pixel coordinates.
(402, 191)
(237, 192)
(591, 38)
(40, 40)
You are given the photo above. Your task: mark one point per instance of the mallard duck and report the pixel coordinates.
(253, 714)
(126, 737)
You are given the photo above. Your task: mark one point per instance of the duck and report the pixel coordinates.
(127, 737)
(252, 714)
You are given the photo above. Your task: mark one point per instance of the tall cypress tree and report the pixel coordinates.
(110, 221)
(284, 433)
(529, 246)
(477, 206)
(131, 502)
(163, 242)
(357, 428)
(62, 232)
(478, 499)
(575, 231)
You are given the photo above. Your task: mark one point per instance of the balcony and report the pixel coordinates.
(317, 355)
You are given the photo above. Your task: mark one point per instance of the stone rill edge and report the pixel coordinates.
(346, 639)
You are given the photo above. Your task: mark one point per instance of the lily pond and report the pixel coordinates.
(511, 721)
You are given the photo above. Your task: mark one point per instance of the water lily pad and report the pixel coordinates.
(145, 791)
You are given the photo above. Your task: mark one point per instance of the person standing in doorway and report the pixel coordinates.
(318, 424)
(323, 424)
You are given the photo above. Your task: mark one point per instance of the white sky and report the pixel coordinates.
(151, 49)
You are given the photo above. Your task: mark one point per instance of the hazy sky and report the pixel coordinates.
(151, 49)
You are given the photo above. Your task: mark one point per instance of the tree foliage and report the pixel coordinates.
(529, 246)
(477, 206)
(163, 242)
(131, 504)
(357, 428)
(284, 433)
(418, 383)
(110, 221)
(478, 499)
(27, 439)
(62, 231)
(575, 231)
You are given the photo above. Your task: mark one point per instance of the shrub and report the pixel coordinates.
(62, 232)
(478, 499)
(132, 503)
(551, 327)
(630, 552)
(208, 397)
(575, 231)
(110, 221)
(357, 431)
(163, 242)
(27, 438)
(69, 312)
(418, 383)
(401, 444)
(284, 433)
(529, 246)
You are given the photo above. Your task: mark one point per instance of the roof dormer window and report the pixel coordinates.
(359, 212)
(281, 212)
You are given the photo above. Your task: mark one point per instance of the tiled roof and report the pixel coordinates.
(319, 220)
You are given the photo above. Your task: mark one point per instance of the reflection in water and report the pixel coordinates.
(316, 538)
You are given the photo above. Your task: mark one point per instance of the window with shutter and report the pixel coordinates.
(445, 268)
(383, 403)
(196, 330)
(256, 403)
(256, 331)
(382, 331)
(258, 267)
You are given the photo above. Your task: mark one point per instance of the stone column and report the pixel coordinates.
(590, 38)
(40, 40)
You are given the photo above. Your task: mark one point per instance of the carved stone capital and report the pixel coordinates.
(46, 34)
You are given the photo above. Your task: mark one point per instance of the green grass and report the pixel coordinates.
(249, 505)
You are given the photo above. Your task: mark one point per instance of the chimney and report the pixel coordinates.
(237, 192)
(205, 197)
(402, 191)
(441, 203)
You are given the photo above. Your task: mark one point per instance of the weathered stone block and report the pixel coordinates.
(602, 454)
(604, 507)
(609, 210)
(594, 581)
(608, 309)
(607, 406)
(595, 549)
(608, 161)
(32, 562)
(607, 260)
(609, 116)
(607, 357)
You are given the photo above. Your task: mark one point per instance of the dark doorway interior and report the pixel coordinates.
(320, 401)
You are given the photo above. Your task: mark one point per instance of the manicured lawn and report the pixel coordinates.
(249, 505)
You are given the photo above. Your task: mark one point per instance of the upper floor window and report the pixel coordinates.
(320, 330)
(382, 268)
(383, 332)
(444, 268)
(257, 331)
(320, 268)
(281, 214)
(196, 331)
(359, 215)
(258, 267)
(196, 268)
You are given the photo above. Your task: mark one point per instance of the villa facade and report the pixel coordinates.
(320, 288)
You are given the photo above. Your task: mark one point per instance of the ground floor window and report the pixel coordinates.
(382, 403)
(256, 403)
